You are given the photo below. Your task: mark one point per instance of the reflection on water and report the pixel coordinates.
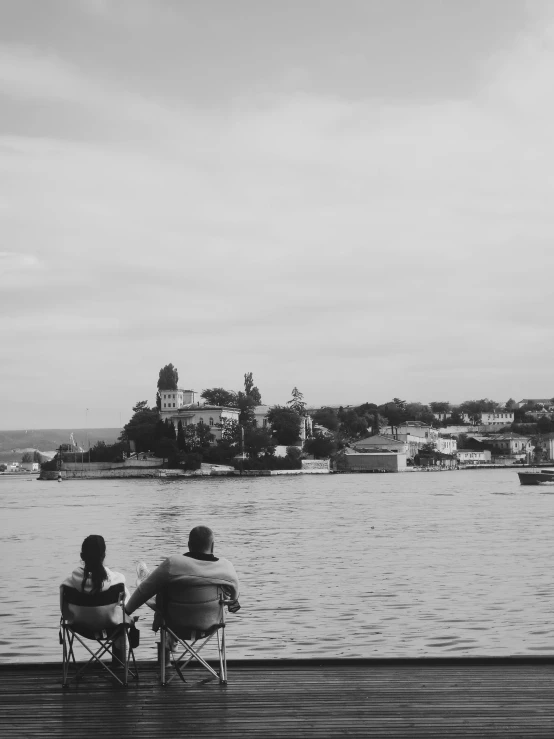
(346, 565)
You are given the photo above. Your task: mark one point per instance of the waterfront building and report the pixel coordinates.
(181, 405)
(414, 433)
(506, 445)
(382, 443)
(473, 456)
(446, 444)
(376, 461)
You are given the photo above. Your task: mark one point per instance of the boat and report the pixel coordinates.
(537, 477)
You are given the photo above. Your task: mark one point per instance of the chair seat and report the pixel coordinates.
(194, 632)
(103, 634)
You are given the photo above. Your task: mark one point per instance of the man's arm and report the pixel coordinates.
(154, 583)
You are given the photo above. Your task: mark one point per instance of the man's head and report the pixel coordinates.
(201, 540)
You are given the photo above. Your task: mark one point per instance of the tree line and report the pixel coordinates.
(188, 445)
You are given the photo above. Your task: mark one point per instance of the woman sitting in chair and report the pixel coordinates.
(93, 577)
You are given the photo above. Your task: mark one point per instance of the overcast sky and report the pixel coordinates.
(353, 197)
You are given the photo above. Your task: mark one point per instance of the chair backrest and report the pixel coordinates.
(196, 607)
(95, 611)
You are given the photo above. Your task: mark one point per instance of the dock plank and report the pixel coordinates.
(370, 699)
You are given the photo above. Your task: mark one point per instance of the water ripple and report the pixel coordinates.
(357, 565)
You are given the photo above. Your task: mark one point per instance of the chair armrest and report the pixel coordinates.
(232, 605)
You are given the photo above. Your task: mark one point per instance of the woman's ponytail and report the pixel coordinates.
(93, 552)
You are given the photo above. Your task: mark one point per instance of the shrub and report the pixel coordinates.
(192, 461)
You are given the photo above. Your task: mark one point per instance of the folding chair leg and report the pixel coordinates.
(125, 659)
(68, 655)
(65, 657)
(222, 657)
(162, 656)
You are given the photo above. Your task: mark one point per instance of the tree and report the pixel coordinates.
(258, 442)
(327, 418)
(26, 457)
(220, 396)
(440, 406)
(419, 412)
(169, 378)
(158, 401)
(142, 427)
(296, 403)
(167, 450)
(251, 390)
(198, 438)
(295, 455)
(204, 436)
(170, 433)
(428, 448)
(320, 446)
(545, 425)
(102, 452)
(456, 418)
(352, 425)
(230, 431)
(180, 436)
(162, 430)
(246, 405)
(394, 412)
(285, 425)
(476, 407)
(511, 404)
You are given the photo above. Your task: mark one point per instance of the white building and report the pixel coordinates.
(171, 399)
(446, 444)
(472, 456)
(507, 445)
(30, 466)
(497, 418)
(181, 405)
(412, 428)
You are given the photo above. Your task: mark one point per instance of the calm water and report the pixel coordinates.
(341, 565)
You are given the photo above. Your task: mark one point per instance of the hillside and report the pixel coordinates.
(13, 443)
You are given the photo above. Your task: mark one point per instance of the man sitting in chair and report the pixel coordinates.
(198, 567)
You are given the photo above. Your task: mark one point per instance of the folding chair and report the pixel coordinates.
(189, 620)
(94, 617)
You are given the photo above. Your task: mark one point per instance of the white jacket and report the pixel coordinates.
(101, 617)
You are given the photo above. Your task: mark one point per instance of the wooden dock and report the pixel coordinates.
(486, 697)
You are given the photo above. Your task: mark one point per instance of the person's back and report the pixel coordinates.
(92, 577)
(189, 584)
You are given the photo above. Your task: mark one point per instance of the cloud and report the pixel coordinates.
(11, 261)
(351, 245)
